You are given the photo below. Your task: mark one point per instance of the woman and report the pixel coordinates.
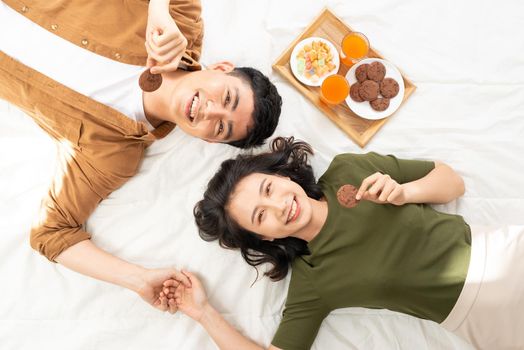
(382, 249)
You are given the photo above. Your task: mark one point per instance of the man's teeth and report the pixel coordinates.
(193, 109)
(293, 210)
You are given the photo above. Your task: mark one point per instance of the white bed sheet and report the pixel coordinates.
(467, 60)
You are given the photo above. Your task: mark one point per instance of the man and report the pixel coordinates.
(74, 68)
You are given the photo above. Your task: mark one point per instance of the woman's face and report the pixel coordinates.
(270, 205)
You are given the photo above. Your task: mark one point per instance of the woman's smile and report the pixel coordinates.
(294, 211)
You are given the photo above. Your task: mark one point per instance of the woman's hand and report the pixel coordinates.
(381, 188)
(165, 43)
(190, 300)
(193, 302)
(151, 286)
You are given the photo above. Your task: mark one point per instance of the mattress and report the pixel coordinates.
(467, 61)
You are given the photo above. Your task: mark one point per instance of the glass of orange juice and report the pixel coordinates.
(355, 46)
(334, 89)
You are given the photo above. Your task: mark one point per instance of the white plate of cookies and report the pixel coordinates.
(377, 88)
(313, 59)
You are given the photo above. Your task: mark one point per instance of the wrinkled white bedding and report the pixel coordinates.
(467, 60)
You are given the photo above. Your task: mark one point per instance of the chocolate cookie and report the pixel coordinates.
(361, 73)
(353, 92)
(380, 104)
(389, 88)
(368, 90)
(376, 71)
(346, 196)
(149, 82)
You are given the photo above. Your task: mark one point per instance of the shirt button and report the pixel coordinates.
(85, 42)
(25, 9)
(54, 26)
(117, 56)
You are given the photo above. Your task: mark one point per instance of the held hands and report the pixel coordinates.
(165, 43)
(381, 188)
(190, 300)
(151, 286)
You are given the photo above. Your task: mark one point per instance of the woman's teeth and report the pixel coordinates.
(293, 210)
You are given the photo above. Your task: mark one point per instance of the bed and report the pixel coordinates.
(467, 60)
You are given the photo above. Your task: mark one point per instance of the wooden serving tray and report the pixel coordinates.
(330, 27)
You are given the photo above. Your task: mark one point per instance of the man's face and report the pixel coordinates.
(213, 105)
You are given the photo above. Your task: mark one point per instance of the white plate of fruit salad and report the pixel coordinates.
(313, 59)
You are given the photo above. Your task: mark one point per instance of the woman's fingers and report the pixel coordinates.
(172, 306)
(366, 183)
(389, 186)
(163, 303)
(178, 293)
(395, 195)
(171, 283)
(182, 278)
(377, 187)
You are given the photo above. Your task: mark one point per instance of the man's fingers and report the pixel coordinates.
(162, 58)
(169, 67)
(152, 54)
(171, 283)
(162, 39)
(162, 50)
(150, 62)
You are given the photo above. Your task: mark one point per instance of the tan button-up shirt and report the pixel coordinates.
(100, 148)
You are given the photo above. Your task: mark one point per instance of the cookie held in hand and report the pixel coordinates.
(149, 82)
(346, 196)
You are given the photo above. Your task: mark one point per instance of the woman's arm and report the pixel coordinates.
(193, 302)
(87, 259)
(441, 185)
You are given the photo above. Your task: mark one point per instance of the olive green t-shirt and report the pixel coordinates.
(411, 258)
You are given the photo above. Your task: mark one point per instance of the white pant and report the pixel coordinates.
(489, 312)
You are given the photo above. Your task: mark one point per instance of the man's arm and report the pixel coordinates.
(193, 302)
(87, 259)
(82, 180)
(174, 29)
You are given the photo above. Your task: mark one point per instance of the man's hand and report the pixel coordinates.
(151, 286)
(190, 300)
(381, 188)
(165, 43)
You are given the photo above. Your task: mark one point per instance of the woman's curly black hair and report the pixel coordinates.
(287, 158)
